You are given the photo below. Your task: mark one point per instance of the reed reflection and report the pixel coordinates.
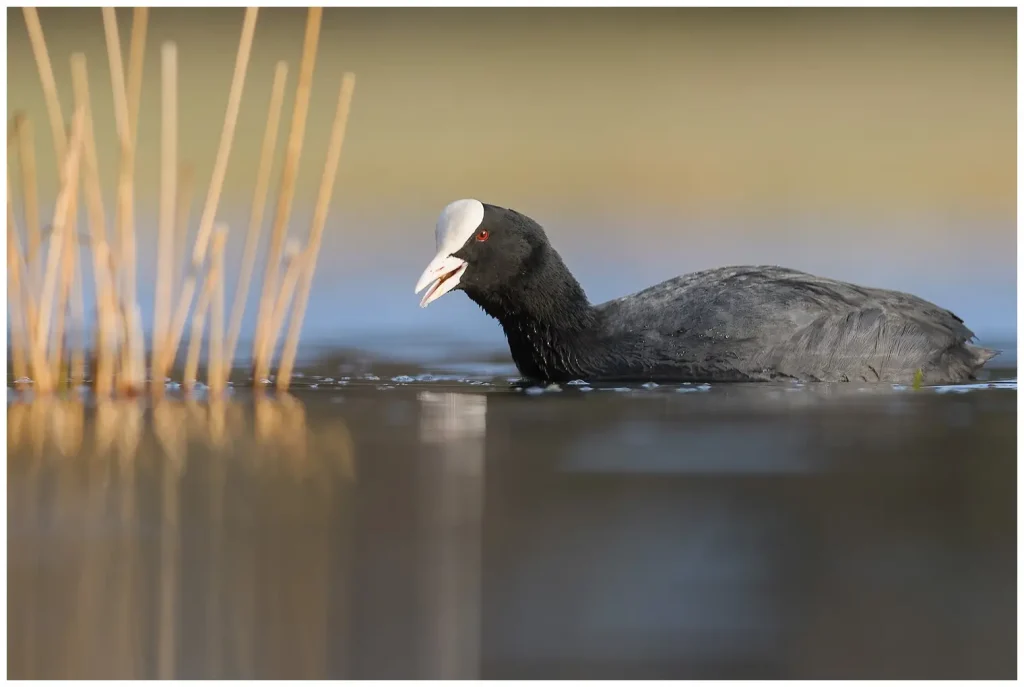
(175, 530)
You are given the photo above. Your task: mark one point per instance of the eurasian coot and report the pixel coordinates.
(756, 323)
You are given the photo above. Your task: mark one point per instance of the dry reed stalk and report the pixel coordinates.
(121, 327)
(117, 83)
(30, 196)
(136, 338)
(261, 366)
(106, 327)
(133, 94)
(136, 62)
(133, 362)
(259, 203)
(59, 313)
(56, 117)
(78, 321)
(106, 305)
(196, 335)
(216, 185)
(69, 261)
(65, 201)
(19, 340)
(186, 187)
(294, 263)
(334, 146)
(26, 296)
(42, 57)
(15, 295)
(168, 200)
(215, 376)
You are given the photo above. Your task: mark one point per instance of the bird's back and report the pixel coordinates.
(766, 322)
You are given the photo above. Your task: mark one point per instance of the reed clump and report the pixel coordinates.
(46, 266)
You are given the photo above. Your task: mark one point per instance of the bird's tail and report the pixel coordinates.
(979, 355)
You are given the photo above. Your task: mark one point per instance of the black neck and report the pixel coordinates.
(548, 321)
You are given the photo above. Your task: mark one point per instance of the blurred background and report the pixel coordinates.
(873, 145)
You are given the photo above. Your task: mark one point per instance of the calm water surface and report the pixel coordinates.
(383, 523)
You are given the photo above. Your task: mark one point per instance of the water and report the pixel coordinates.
(445, 524)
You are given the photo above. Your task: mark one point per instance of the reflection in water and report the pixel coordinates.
(152, 557)
(730, 532)
(167, 417)
(454, 427)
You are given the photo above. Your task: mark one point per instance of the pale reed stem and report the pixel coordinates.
(196, 335)
(133, 356)
(216, 182)
(294, 261)
(68, 264)
(259, 203)
(186, 187)
(168, 200)
(284, 371)
(136, 62)
(106, 306)
(78, 320)
(30, 194)
(216, 379)
(61, 220)
(15, 294)
(261, 366)
(42, 57)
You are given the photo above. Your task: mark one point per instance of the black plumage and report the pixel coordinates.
(750, 323)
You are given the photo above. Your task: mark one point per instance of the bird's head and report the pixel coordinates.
(480, 248)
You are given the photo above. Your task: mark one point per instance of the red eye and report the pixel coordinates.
(483, 235)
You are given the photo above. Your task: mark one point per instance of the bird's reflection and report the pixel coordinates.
(452, 499)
